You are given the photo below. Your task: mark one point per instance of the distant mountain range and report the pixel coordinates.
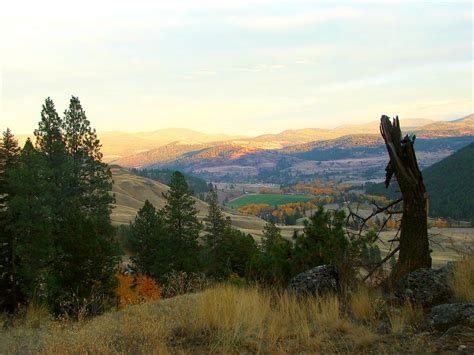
(222, 156)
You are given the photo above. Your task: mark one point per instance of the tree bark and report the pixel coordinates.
(414, 244)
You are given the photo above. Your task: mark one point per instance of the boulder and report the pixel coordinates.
(316, 281)
(425, 286)
(446, 316)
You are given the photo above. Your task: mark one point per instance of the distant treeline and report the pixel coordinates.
(196, 184)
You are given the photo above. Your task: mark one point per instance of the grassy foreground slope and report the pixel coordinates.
(246, 320)
(269, 199)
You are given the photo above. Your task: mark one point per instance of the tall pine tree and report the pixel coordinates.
(31, 223)
(85, 249)
(218, 229)
(9, 154)
(182, 224)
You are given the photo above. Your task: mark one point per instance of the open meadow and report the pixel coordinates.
(269, 199)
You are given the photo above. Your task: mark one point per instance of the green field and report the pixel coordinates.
(270, 199)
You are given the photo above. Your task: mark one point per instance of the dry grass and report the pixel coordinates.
(462, 281)
(406, 318)
(365, 304)
(223, 319)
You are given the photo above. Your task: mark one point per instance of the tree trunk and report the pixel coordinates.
(414, 244)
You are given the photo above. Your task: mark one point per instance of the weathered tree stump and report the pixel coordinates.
(414, 244)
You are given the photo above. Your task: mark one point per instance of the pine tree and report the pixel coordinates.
(9, 154)
(151, 243)
(85, 249)
(49, 135)
(217, 228)
(182, 224)
(31, 223)
(238, 250)
(272, 264)
(271, 233)
(215, 222)
(323, 241)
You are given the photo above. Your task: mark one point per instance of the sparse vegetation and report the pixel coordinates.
(224, 319)
(462, 281)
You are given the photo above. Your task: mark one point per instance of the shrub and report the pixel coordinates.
(180, 282)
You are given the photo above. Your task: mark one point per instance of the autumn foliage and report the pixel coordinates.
(134, 290)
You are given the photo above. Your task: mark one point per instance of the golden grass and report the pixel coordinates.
(406, 318)
(223, 319)
(462, 281)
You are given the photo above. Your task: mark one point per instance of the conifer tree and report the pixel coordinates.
(9, 154)
(218, 229)
(31, 222)
(182, 224)
(215, 222)
(49, 135)
(323, 241)
(151, 243)
(272, 264)
(271, 233)
(85, 249)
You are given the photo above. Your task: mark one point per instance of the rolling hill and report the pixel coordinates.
(131, 192)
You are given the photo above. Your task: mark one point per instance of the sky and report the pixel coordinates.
(237, 67)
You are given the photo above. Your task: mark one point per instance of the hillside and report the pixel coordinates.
(460, 127)
(158, 156)
(131, 192)
(366, 145)
(448, 184)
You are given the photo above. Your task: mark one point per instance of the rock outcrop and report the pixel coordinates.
(427, 287)
(446, 316)
(316, 281)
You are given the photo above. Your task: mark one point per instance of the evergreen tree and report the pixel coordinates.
(271, 233)
(272, 264)
(182, 224)
(151, 243)
(9, 154)
(238, 249)
(30, 227)
(215, 223)
(49, 135)
(85, 250)
(323, 241)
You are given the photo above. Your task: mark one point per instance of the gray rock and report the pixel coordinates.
(425, 286)
(449, 315)
(316, 281)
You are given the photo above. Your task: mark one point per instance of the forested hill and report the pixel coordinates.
(451, 193)
(449, 184)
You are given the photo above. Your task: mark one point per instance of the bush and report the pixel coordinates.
(180, 282)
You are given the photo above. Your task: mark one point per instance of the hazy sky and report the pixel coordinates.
(235, 66)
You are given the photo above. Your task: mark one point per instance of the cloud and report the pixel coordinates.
(285, 22)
